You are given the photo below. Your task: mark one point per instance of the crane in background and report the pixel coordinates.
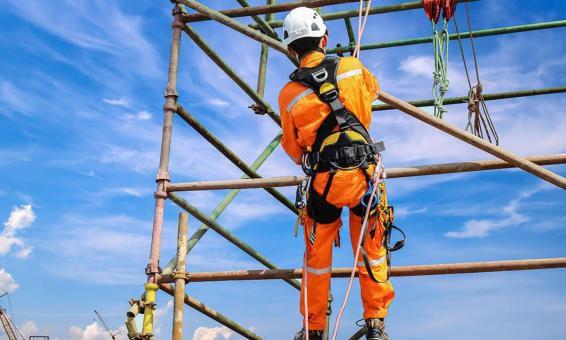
(11, 331)
(112, 335)
(9, 326)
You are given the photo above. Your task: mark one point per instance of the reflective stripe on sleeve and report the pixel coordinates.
(320, 271)
(297, 98)
(349, 74)
(372, 263)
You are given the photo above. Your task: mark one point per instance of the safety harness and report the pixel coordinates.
(342, 143)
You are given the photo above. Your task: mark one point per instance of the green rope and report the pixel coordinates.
(440, 42)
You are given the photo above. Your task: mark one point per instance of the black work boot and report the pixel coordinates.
(376, 330)
(313, 335)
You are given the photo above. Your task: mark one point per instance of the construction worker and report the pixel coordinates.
(325, 112)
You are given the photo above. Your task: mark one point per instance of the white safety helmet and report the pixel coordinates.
(302, 22)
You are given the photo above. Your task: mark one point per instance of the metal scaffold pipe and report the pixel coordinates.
(266, 9)
(163, 172)
(214, 141)
(467, 137)
(255, 96)
(227, 21)
(227, 234)
(491, 96)
(179, 276)
(211, 313)
(464, 35)
(203, 228)
(421, 170)
(398, 271)
(405, 6)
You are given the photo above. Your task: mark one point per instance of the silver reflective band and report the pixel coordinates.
(372, 263)
(349, 74)
(297, 98)
(320, 271)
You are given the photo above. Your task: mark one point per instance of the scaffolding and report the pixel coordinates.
(173, 277)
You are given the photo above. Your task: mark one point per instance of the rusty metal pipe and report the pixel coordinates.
(469, 138)
(422, 170)
(267, 9)
(163, 175)
(179, 275)
(420, 270)
(227, 21)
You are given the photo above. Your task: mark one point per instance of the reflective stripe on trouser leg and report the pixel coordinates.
(376, 297)
(319, 267)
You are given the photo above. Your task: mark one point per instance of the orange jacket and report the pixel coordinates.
(302, 111)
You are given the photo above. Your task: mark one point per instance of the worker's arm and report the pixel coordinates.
(289, 139)
(372, 85)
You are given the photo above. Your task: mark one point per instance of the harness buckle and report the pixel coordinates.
(320, 75)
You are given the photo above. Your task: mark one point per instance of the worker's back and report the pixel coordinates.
(302, 112)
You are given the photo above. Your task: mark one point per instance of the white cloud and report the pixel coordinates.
(95, 331)
(406, 211)
(143, 115)
(218, 102)
(11, 99)
(117, 102)
(512, 217)
(20, 218)
(7, 282)
(212, 333)
(29, 328)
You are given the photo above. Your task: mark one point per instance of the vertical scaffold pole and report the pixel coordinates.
(171, 96)
(179, 276)
(263, 59)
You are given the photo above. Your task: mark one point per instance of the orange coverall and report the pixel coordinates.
(302, 113)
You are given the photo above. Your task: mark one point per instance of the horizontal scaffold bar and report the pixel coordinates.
(211, 313)
(420, 270)
(465, 35)
(266, 9)
(491, 96)
(227, 234)
(422, 170)
(405, 6)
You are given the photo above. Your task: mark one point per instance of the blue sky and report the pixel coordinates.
(81, 85)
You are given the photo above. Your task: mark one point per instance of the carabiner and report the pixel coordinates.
(366, 197)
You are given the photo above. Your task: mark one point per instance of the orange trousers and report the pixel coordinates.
(346, 190)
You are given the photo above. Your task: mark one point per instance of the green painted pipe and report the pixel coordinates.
(262, 24)
(227, 234)
(231, 73)
(406, 6)
(203, 228)
(213, 314)
(476, 34)
(492, 96)
(195, 124)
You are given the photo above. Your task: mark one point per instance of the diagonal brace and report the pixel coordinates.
(250, 32)
(479, 143)
(231, 73)
(227, 235)
(231, 155)
(203, 228)
(211, 313)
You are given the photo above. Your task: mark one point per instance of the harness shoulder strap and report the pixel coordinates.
(322, 79)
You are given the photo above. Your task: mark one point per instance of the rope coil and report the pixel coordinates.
(479, 119)
(440, 41)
